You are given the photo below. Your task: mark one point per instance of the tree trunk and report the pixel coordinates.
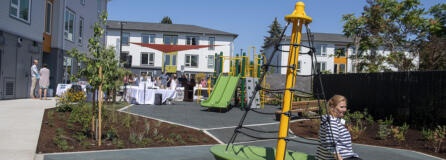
(114, 95)
(357, 40)
(93, 111)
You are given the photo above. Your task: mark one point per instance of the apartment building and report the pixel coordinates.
(151, 48)
(69, 26)
(334, 54)
(42, 30)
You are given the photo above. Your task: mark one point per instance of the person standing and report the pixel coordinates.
(164, 79)
(34, 77)
(44, 81)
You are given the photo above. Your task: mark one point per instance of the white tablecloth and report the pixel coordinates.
(62, 88)
(203, 95)
(136, 95)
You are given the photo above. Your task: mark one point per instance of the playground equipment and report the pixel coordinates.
(240, 66)
(223, 91)
(298, 18)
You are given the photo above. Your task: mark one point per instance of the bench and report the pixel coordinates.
(300, 107)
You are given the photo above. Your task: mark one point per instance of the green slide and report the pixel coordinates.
(222, 93)
(241, 152)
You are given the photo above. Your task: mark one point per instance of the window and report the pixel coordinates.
(191, 40)
(340, 52)
(143, 73)
(170, 40)
(123, 57)
(298, 66)
(69, 25)
(151, 59)
(321, 50)
(20, 9)
(99, 6)
(191, 61)
(129, 60)
(211, 61)
(148, 59)
(335, 68)
(211, 43)
(83, 2)
(79, 66)
(144, 58)
(174, 60)
(125, 39)
(67, 67)
(167, 59)
(49, 10)
(320, 66)
(81, 29)
(341, 68)
(147, 38)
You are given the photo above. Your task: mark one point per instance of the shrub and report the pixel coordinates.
(383, 130)
(155, 132)
(82, 116)
(435, 137)
(368, 117)
(193, 139)
(69, 99)
(132, 137)
(79, 136)
(50, 118)
(118, 143)
(357, 126)
(147, 126)
(60, 141)
(356, 131)
(127, 121)
(112, 133)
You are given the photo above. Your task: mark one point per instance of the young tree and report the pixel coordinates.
(166, 20)
(352, 28)
(99, 57)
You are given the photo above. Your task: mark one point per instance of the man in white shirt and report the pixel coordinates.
(34, 77)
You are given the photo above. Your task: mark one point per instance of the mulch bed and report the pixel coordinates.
(172, 135)
(414, 140)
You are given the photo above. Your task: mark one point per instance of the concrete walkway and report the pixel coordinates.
(20, 122)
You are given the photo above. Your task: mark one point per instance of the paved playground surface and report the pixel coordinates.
(221, 126)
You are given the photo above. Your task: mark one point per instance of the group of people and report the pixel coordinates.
(43, 76)
(163, 81)
(166, 81)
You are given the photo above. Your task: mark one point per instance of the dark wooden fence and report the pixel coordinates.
(418, 98)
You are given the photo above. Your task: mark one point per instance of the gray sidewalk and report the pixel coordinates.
(20, 122)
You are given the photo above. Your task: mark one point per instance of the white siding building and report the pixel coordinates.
(326, 45)
(177, 48)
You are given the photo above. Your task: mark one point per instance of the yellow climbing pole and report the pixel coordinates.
(298, 18)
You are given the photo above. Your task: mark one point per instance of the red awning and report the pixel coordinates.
(172, 48)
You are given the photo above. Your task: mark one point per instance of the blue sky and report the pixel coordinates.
(247, 18)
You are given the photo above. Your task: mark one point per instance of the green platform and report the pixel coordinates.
(222, 93)
(241, 152)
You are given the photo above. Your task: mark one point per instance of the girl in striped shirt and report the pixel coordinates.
(335, 139)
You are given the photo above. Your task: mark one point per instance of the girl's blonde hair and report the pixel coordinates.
(334, 101)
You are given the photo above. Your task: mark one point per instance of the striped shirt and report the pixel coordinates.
(341, 139)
